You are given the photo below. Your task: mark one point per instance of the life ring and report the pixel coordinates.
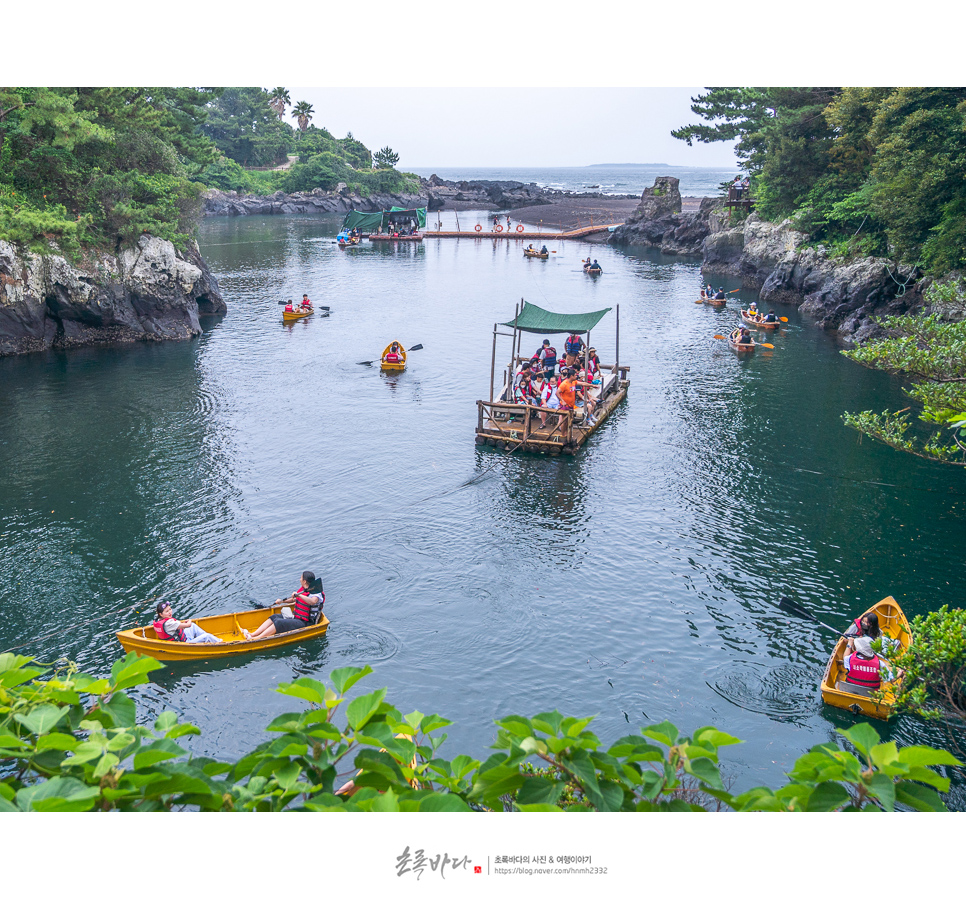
(519, 228)
(479, 227)
(498, 228)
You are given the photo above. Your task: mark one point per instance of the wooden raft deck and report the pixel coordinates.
(509, 425)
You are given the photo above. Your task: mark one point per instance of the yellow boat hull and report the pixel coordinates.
(536, 255)
(227, 627)
(393, 365)
(892, 622)
(296, 314)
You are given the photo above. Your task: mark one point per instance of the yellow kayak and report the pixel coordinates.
(296, 314)
(227, 627)
(387, 364)
(836, 692)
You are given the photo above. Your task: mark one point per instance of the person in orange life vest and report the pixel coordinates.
(168, 627)
(863, 667)
(306, 601)
(393, 356)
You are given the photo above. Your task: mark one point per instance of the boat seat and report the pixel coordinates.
(846, 687)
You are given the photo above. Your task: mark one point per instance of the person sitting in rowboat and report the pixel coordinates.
(595, 267)
(543, 251)
(862, 666)
(742, 336)
(392, 356)
(865, 625)
(168, 627)
(288, 306)
(306, 303)
(587, 262)
(720, 295)
(771, 317)
(306, 601)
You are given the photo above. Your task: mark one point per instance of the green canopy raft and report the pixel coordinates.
(378, 225)
(503, 423)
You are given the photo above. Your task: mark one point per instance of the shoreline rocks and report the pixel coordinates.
(842, 297)
(435, 194)
(145, 292)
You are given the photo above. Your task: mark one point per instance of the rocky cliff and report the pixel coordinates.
(435, 194)
(776, 261)
(148, 291)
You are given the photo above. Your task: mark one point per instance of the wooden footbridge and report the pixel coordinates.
(519, 233)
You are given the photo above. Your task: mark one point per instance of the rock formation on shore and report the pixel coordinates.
(435, 194)
(148, 291)
(776, 260)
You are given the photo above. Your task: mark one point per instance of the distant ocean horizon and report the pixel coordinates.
(604, 178)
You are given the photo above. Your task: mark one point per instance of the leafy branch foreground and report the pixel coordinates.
(71, 742)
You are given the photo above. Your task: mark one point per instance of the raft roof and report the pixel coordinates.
(535, 319)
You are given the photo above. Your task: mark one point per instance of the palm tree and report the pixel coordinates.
(279, 99)
(303, 111)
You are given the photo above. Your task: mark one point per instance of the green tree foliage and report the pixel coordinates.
(386, 158)
(931, 352)
(243, 126)
(869, 170)
(935, 666)
(100, 165)
(72, 742)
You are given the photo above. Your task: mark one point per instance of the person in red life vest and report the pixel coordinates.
(863, 667)
(523, 391)
(288, 307)
(306, 303)
(306, 608)
(593, 364)
(865, 625)
(393, 356)
(175, 630)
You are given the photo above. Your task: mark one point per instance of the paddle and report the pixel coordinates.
(370, 363)
(752, 342)
(790, 606)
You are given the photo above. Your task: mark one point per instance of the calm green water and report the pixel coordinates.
(638, 581)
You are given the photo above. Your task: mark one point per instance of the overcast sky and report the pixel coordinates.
(470, 126)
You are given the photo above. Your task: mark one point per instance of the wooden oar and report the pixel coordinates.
(790, 606)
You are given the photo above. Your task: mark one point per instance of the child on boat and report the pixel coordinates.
(168, 627)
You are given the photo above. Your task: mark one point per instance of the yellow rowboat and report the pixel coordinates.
(227, 627)
(858, 700)
(296, 314)
(399, 365)
(534, 254)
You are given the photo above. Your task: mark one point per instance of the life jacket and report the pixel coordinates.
(858, 626)
(392, 357)
(549, 356)
(573, 345)
(303, 610)
(864, 671)
(522, 390)
(159, 629)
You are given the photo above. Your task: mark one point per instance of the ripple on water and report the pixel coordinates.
(779, 690)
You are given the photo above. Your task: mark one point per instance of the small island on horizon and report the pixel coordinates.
(592, 165)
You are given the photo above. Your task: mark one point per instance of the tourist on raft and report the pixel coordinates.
(546, 357)
(574, 344)
(523, 389)
(168, 627)
(863, 666)
(593, 364)
(306, 607)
